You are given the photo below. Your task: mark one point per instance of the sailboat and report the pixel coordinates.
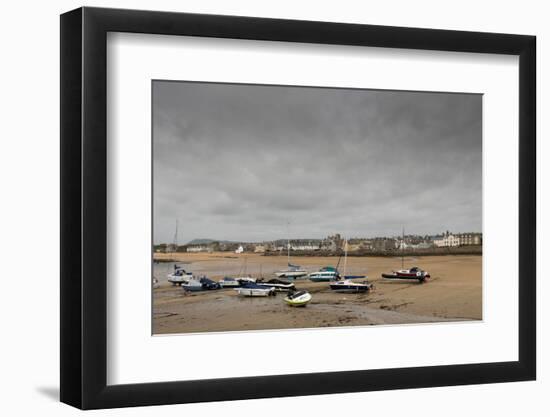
(326, 273)
(292, 271)
(180, 276)
(243, 277)
(347, 285)
(414, 273)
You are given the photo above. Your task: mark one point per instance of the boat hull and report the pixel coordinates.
(350, 289)
(323, 279)
(229, 284)
(255, 292)
(301, 301)
(291, 274)
(279, 287)
(401, 277)
(192, 288)
(179, 280)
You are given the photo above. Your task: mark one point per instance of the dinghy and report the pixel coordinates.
(298, 299)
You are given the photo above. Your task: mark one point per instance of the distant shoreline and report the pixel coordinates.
(446, 251)
(459, 250)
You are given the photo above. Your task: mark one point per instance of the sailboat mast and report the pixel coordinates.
(288, 242)
(175, 242)
(403, 248)
(345, 256)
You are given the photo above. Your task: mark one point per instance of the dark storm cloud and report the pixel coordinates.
(237, 161)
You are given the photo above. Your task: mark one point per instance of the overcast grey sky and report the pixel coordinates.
(235, 162)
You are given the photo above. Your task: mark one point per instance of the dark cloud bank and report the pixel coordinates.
(235, 162)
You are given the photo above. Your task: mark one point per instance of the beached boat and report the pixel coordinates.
(201, 284)
(278, 284)
(347, 285)
(350, 286)
(298, 299)
(243, 278)
(325, 274)
(413, 273)
(179, 276)
(292, 271)
(246, 280)
(255, 290)
(229, 282)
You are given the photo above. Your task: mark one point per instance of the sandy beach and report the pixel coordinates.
(454, 293)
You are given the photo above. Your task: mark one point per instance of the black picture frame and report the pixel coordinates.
(84, 207)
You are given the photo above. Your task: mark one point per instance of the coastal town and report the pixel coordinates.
(444, 243)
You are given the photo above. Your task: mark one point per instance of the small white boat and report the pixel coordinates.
(246, 280)
(179, 276)
(326, 274)
(349, 286)
(254, 290)
(298, 299)
(293, 271)
(229, 282)
(192, 284)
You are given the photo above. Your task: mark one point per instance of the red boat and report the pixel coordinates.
(408, 274)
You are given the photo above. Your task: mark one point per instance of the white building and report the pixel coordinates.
(197, 248)
(447, 241)
(240, 249)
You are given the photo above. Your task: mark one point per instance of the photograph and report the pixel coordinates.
(293, 207)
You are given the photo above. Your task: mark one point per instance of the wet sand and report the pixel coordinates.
(454, 293)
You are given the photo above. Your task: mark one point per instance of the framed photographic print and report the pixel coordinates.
(258, 208)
